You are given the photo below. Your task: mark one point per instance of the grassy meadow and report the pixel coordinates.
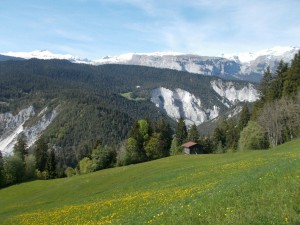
(251, 187)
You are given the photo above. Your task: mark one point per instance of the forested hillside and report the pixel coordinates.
(91, 105)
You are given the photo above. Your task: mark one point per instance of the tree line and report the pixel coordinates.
(272, 120)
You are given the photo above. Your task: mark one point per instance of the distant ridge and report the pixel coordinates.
(243, 66)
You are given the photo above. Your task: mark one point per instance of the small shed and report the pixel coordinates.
(192, 148)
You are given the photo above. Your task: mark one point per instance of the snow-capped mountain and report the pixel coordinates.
(215, 66)
(285, 53)
(45, 54)
(244, 66)
(253, 64)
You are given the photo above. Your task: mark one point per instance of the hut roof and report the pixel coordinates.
(189, 144)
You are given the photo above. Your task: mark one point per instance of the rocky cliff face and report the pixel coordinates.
(180, 103)
(11, 126)
(216, 66)
(229, 92)
(244, 66)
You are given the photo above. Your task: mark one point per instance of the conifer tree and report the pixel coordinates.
(165, 135)
(2, 175)
(244, 117)
(51, 165)
(193, 134)
(291, 84)
(20, 148)
(265, 84)
(41, 153)
(181, 131)
(276, 86)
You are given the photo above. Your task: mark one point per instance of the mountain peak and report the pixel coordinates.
(46, 54)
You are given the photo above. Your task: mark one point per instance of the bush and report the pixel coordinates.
(86, 165)
(175, 148)
(103, 157)
(153, 148)
(14, 169)
(41, 175)
(252, 137)
(69, 172)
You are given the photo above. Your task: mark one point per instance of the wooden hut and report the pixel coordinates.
(192, 148)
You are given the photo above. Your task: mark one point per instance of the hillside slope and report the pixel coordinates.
(255, 187)
(76, 105)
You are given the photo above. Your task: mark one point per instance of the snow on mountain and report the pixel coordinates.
(228, 91)
(180, 103)
(285, 53)
(254, 64)
(45, 54)
(244, 66)
(178, 61)
(11, 126)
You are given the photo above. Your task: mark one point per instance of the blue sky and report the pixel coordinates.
(96, 28)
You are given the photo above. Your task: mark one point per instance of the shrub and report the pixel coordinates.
(69, 172)
(252, 137)
(86, 165)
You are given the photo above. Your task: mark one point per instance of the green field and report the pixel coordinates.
(251, 187)
(129, 97)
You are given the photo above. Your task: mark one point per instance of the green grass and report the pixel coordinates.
(128, 96)
(251, 187)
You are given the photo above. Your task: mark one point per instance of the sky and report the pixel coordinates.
(97, 28)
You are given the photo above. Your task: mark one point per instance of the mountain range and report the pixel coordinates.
(243, 66)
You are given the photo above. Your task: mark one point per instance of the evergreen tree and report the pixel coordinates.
(50, 167)
(193, 134)
(244, 117)
(20, 148)
(276, 86)
(207, 144)
(219, 135)
(165, 135)
(40, 153)
(232, 134)
(291, 84)
(265, 84)
(181, 131)
(2, 175)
